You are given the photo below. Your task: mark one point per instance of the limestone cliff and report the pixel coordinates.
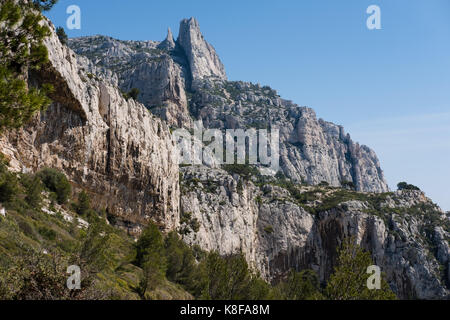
(114, 148)
(311, 149)
(154, 68)
(202, 58)
(278, 229)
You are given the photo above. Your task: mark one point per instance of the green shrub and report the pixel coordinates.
(33, 187)
(47, 233)
(229, 278)
(181, 264)
(406, 186)
(150, 256)
(349, 281)
(188, 223)
(26, 228)
(244, 170)
(21, 50)
(8, 186)
(303, 285)
(133, 94)
(62, 36)
(56, 182)
(84, 203)
(150, 244)
(44, 5)
(348, 184)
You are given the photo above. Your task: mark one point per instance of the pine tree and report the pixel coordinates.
(33, 186)
(349, 281)
(44, 5)
(134, 93)
(21, 51)
(150, 256)
(303, 285)
(62, 36)
(84, 203)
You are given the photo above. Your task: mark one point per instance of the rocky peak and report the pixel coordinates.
(202, 58)
(168, 43)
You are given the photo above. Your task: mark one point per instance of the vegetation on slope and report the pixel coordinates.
(38, 243)
(21, 51)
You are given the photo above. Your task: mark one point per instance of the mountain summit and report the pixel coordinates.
(168, 43)
(203, 59)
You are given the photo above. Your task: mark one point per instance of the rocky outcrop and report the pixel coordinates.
(114, 148)
(168, 44)
(405, 232)
(311, 150)
(202, 58)
(149, 66)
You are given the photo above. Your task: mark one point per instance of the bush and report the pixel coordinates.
(47, 233)
(8, 181)
(229, 278)
(181, 264)
(84, 203)
(302, 285)
(244, 170)
(34, 276)
(55, 181)
(349, 281)
(62, 35)
(133, 94)
(44, 5)
(8, 186)
(188, 223)
(21, 50)
(26, 228)
(150, 256)
(33, 187)
(406, 186)
(349, 185)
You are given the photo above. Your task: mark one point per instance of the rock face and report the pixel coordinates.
(276, 233)
(311, 149)
(168, 44)
(202, 57)
(116, 149)
(152, 67)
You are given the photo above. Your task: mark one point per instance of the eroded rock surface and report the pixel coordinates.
(405, 232)
(114, 148)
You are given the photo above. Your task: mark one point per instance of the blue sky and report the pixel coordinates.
(389, 88)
